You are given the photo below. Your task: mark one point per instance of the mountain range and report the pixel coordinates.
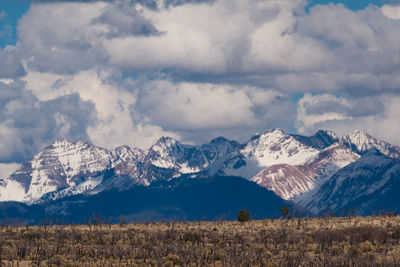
(356, 172)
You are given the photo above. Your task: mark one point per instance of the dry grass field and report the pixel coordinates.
(348, 241)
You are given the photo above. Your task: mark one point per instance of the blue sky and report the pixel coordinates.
(352, 4)
(13, 10)
(124, 72)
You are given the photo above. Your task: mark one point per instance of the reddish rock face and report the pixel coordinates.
(293, 166)
(290, 181)
(285, 180)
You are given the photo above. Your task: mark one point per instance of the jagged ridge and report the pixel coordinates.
(295, 167)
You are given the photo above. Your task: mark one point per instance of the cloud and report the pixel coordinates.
(113, 122)
(212, 109)
(27, 124)
(153, 4)
(54, 41)
(392, 12)
(123, 20)
(272, 43)
(10, 63)
(375, 115)
(196, 106)
(219, 38)
(128, 72)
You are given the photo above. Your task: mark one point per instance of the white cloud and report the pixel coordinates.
(376, 115)
(313, 110)
(113, 124)
(203, 70)
(390, 11)
(54, 40)
(196, 106)
(234, 37)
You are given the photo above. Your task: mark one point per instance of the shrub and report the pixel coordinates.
(243, 216)
(191, 237)
(284, 211)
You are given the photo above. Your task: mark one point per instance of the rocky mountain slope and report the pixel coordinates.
(370, 178)
(304, 169)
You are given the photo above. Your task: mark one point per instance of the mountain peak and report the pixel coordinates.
(64, 143)
(293, 164)
(328, 133)
(359, 135)
(127, 153)
(362, 142)
(320, 140)
(167, 141)
(219, 139)
(61, 142)
(277, 131)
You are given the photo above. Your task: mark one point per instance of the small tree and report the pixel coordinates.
(243, 216)
(285, 211)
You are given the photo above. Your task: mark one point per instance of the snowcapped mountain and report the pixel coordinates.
(361, 143)
(264, 150)
(361, 179)
(285, 180)
(277, 147)
(289, 181)
(321, 140)
(307, 170)
(60, 165)
(66, 168)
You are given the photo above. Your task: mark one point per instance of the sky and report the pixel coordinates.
(128, 72)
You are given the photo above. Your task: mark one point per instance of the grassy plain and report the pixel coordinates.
(347, 241)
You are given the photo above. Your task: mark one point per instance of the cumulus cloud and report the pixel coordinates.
(228, 36)
(10, 63)
(239, 37)
(272, 43)
(123, 20)
(153, 4)
(128, 72)
(113, 123)
(201, 106)
(375, 115)
(392, 12)
(27, 124)
(54, 41)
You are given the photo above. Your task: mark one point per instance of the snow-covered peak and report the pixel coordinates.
(327, 133)
(320, 140)
(127, 153)
(360, 139)
(277, 147)
(60, 165)
(165, 141)
(168, 153)
(362, 142)
(164, 152)
(61, 142)
(337, 152)
(274, 132)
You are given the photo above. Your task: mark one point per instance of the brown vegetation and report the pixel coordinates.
(351, 241)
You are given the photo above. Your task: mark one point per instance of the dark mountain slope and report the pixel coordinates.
(180, 199)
